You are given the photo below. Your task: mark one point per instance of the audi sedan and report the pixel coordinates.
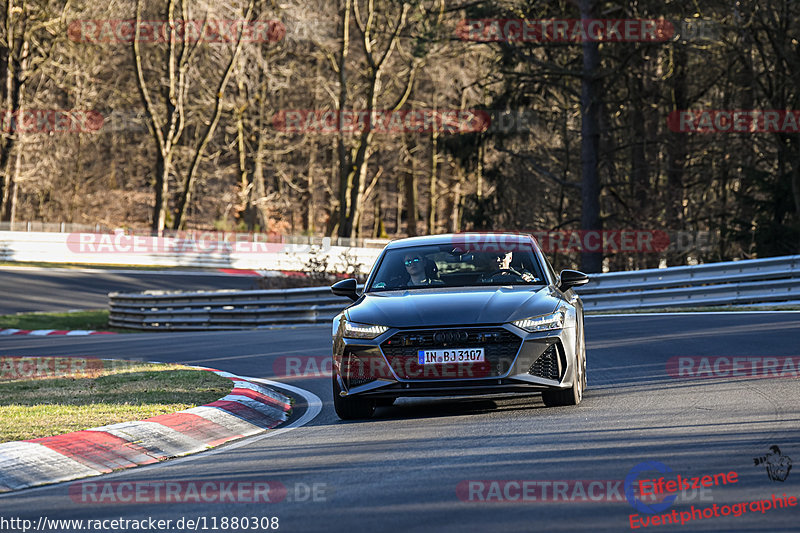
(459, 314)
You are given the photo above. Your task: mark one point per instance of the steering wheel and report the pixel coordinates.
(504, 271)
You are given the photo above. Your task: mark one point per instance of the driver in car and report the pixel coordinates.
(496, 264)
(415, 267)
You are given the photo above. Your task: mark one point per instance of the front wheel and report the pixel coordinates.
(571, 396)
(351, 408)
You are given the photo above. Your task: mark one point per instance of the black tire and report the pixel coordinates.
(351, 408)
(585, 380)
(583, 364)
(570, 396)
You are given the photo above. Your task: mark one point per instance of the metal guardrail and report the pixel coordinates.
(209, 310)
(53, 227)
(755, 281)
(758, 281)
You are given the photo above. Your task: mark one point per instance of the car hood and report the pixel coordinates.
(453, 306)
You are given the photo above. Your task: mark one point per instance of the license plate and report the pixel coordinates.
(450, 355)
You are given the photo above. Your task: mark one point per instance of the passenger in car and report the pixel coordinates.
(421, 271)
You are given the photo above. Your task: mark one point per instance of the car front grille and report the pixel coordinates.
(500, 348)
(546, 366)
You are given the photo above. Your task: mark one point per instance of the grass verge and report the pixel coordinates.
(101, 393)
(96, 320)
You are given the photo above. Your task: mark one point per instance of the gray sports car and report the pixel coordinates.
(459, 314)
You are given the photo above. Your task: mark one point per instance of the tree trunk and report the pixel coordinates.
(434, 177)
(166, 133)
(357, 180)
(15, 61)
(308, 196)
(455, 214)
(245, 177)
(259, 192)
(677, 153)
(591, 262)
(398, 212)
(640, 186)
(161, 188)
(410, 187)
(345, 157)
(11, 191)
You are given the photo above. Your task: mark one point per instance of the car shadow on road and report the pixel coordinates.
(411, 408)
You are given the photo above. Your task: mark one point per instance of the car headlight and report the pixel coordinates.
(353, 330)
(542, 323)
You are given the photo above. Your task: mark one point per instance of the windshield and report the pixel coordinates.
(430, 266)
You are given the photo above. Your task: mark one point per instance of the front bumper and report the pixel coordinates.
(516, 361)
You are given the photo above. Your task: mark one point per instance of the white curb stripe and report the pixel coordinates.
(269, 411)
(48, 332)
(234, 424)
(28, 464)
(159, 440)
(280, 398)
(226, 374)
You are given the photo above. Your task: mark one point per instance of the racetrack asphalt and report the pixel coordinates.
(402, 470)
(49, 290)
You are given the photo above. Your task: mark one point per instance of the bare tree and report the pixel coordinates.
(188, 182)
(31, 30)
(354, 159)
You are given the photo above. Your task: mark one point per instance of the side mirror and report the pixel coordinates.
(572, 278)
(346, 288)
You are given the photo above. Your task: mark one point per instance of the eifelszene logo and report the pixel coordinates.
(630, 486)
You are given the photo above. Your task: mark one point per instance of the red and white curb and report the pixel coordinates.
(249, 409)
(46, 332)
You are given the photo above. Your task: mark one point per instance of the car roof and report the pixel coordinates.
(462, 238)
